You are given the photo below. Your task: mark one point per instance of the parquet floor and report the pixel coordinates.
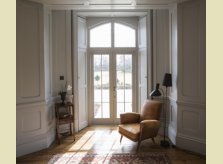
(105, 140)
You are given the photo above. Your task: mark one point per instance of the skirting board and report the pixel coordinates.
(191, 144)
(83, 125)
(172, 134)
(36, 145)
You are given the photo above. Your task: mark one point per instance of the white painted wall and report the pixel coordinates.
(61, 47)
(29, 50)
(34, 107)
(40, 62)
(160, 56)
(160, 45)
(48, 53)
(191, 79)
(142, 61)
(172, 129)
(188, 105)
(82, 74)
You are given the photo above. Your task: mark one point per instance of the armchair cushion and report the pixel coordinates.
(150, 110)
(131, 131)
(149, 128)
(128, 118)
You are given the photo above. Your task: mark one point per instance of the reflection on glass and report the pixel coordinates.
(100, 36)
(123, 83)
(101, 86)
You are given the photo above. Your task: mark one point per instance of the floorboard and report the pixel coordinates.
(105, 140)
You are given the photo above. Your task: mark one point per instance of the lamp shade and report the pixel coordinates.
(156, 92)
(167, 81)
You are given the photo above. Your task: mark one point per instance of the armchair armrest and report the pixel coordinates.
(131, 117)
(149, 128)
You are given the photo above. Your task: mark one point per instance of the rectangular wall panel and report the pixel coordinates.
(190, 120)
(190, 50)
(82, 89)
(29, 52)
(31, 121)
(61, 48)
(160, 45)
(82, 74)
(142, 62)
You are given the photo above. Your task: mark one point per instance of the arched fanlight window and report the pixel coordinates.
(124, 36)
(100, 36)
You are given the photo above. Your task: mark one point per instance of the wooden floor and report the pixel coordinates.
(105, 140)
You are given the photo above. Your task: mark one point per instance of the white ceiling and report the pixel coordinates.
(107, 2)
(109, 8)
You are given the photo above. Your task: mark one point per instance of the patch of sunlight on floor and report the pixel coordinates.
(81, 141)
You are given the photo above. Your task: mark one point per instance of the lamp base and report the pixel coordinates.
(164, 143)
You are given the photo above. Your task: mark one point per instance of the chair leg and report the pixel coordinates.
(139, 142)
(70, 130)
(74, 136)
(57, 135)
(153, 141)
(121, 138)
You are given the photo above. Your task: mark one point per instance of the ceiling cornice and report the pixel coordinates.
(83, 5)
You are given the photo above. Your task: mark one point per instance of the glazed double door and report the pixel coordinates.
(113, 85)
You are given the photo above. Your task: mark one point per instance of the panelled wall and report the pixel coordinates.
(61, 48)
(191, 79)
(189, 119)
(69, 37)
(44, 48)
(34, 107)
(61, 55)
(82, 72)
(160, 45)
(172, 129)
(160, 55)
(142, 61)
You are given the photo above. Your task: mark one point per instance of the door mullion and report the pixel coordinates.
(112, 98)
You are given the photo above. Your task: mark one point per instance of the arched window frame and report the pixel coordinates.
(112, 33)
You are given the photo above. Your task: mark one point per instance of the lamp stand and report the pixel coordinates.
(164, 142)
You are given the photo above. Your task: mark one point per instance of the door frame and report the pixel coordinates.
(112, 67)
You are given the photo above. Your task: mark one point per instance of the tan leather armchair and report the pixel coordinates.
(138, 127)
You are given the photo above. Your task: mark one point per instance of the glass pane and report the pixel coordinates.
(120, 68)
(124, 36)
(101, 86)
(100, 36)
(128, 78)
(105, 79)
(106, 111)
(120, 95)
(97, 110)
(97, 95)
(128, 95)
(120, 109)
(124, 83)
(128, 107)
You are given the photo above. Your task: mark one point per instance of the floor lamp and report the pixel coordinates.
(167, 82)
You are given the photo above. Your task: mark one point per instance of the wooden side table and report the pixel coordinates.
(64, 115)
